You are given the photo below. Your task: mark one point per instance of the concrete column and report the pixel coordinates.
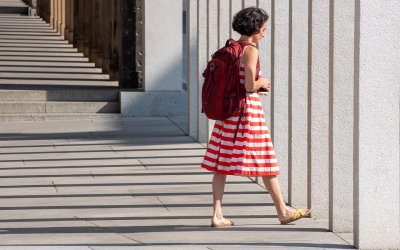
(67, 19)
(202, 120)
(342, 116)
(298, 104)
(78, 32)
(51, 13)
(98, 33)
(279, 128)
(106, 38)
(212, 45)
(87, 10)
(72, 21)
(55, 15)
(62, 20)
(162, 72)
(191, 89)
(249, 3)
(319, 111)
(115, 40)
(131, 45)
(224, 22)
(376, 130)
(92, 30)
(236, 6)
(264, 50)
(60, 16)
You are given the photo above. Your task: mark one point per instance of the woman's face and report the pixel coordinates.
(261, 34)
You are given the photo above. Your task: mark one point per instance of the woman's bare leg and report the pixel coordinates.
(218, 186)
(272, 185)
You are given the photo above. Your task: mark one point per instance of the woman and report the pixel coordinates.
(252, 153)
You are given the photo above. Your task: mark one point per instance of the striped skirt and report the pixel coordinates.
(252, 154)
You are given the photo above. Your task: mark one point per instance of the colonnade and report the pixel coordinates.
(101, 30)
(333, 111)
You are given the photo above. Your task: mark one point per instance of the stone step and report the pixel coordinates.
(38, 69)
(22, 10)
(55, 50)
(24, 25)
(41, 54)
(43, 59)
(37, 45)
(48, 37)
(49, 43)
(46, 64)
(59, 76)
(55, 116)
(25, 33)
(105, 95)
(29, 84)
(58, 107)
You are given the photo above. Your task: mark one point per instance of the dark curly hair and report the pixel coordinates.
(249, 21)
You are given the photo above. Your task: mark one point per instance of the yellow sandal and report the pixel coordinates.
(300, 213)
(227, 223)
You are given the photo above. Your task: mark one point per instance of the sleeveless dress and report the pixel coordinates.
(252, 154)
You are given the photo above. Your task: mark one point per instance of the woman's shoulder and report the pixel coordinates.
(251, 51)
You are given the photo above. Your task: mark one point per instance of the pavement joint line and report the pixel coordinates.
(23, 161)
(162, 203)
(67, 139)
(256, 182)
(176, 125)
(209, 248)
(110, 230)
(54, 185)
(90, 133)
(92, 174)
(131, 193)
(54, 145)
(91, 248)
(142, 164)
(113, 149)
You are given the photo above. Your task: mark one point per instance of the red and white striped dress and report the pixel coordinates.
(252, 154)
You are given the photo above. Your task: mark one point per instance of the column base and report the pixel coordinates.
(92, 55)
(160, 103)
(71, 37)
(85, 49)
(105, 65)
(98, 61)
(79, 45)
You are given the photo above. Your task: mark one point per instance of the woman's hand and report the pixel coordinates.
(266, 84)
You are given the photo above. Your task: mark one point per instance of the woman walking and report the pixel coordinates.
(252, 152)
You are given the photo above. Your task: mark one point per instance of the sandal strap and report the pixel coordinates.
(299, 213)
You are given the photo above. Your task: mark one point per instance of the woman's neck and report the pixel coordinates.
(245, 39)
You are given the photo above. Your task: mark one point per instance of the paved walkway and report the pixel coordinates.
(129, 183)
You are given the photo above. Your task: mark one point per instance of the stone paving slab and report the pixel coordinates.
(131, 183)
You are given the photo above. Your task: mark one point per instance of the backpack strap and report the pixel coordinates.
(243, 106)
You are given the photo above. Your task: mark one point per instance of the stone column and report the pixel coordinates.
(71, 21)
(115, 40)
(236, 6)
(62, 9)
(51, 13)
(202, 43)
(78, 32)
(98, 33)
(131, 43)
(249, 3)
(162, 72)
(318, 193)
(66, 19)
(264, 50)
(106, 38)
(191, 89)
(87, 14)
(376, 130)
(279, 128)
(92, 30)
(55, 15)
(342, 116)
(298, 104)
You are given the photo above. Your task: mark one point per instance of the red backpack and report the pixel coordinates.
(222, 94)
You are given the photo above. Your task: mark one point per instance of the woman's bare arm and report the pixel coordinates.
(250, 59)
